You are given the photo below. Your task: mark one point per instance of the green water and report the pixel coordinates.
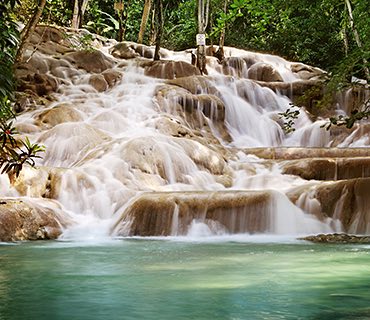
(156, 279)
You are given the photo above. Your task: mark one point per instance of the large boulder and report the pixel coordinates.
(112, 77)
(76, 139)
(264, 72)
(91, 61)
(98, 82)
(173, 126)
(50, 33)
(50, 40)
(200, 112)
(195, 84)
(295, 89)
(208, 104)
(127, 50)
(131, 50)
(41, 84)
(169, 69)
(58, 114)
(237, 66)
(306, 72)
(41, 182)
(173, 159)
(21, 219)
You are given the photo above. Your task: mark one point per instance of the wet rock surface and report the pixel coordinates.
(91, 61)
(346, 201)
(116, 124)
(171, 213)
(328, 168)
(169, 69)
(337, 238)
(264, 72)
(22, 220)
(58, 114)
(291, 153)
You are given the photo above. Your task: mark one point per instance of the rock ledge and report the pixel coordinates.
(337, 238)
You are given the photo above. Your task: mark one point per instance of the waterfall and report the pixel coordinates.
(186, 134)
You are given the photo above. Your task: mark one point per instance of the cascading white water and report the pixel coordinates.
(113, 148)
(249, 122)
(287, 218)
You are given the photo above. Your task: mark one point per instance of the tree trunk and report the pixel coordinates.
(121, 30)
(75, 16)
(144, 20)
(356, 36)
(119, 8)
(345, 41)
(82, 12)
(153, 28)
(122, 12)
(220, 52)
(29, 29)
(203, 11)
(159, 27)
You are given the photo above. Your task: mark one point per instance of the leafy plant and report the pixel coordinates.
(58, 12)
(104, 25)
(13, 154)
(289, 116)
(349, 121)
(14, 157)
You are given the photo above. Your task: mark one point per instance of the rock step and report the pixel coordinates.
(171, 213)
(328, 168)
(347, 201)
(291, 153)
(338, 238)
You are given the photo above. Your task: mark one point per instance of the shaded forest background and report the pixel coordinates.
(316, 32)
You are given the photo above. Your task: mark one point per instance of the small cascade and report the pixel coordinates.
(251, 125)
(216, 213)
(201, 229)
(136, 147)
(175, 221)
(287, 218)
(310, 135)
(5, 187)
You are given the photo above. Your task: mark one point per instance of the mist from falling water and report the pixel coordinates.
(102, 174)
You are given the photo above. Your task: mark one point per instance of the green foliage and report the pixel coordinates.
(306, 31)
(180, 26)
(58, 12)
(13, 154)
(85, 42)
(9, 38)
(104, 25)
(102, 19)
(289, 116)
(349, 121)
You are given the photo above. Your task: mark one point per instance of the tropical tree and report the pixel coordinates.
(144, 20)
(13, 153)
(29, 29)
(203, 17)
(79, 9)
(158, 8)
